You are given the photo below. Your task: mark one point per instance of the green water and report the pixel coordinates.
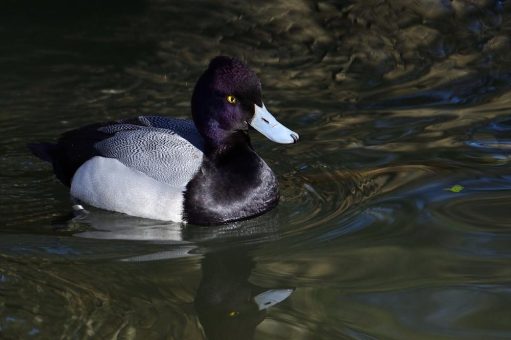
(395, 217)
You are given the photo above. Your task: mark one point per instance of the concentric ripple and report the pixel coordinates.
(324, 196)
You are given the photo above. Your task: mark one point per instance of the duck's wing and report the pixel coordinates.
(166, 149)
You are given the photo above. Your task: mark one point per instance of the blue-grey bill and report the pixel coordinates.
(271, 297)
(264, 122)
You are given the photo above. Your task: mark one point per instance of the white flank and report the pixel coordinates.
(108, 184)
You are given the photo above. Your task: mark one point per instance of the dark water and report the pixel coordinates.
(395, 218)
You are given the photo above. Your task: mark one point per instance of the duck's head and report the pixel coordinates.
(227, 100)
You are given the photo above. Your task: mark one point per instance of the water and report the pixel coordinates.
(395, 213)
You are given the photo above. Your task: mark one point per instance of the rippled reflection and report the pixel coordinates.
(228, 305)
(225, 303)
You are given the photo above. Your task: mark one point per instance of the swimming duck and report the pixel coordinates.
(203, 171)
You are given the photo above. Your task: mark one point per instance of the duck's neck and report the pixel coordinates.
(233, 143)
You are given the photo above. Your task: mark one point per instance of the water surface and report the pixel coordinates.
(395, 217)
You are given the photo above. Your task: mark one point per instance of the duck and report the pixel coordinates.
(203, 171)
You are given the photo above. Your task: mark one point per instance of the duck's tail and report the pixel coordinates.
(45, 151)
(52, 153)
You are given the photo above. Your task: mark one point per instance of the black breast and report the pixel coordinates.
(232, 186)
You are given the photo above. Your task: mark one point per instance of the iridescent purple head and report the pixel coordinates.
(227, 99)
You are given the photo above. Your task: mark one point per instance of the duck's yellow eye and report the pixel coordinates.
(231, 99)
(233, 313)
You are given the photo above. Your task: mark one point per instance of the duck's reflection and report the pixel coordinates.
(227, 304)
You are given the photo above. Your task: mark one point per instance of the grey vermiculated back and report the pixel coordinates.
(168, 150)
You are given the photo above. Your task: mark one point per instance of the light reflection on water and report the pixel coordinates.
(396, 103)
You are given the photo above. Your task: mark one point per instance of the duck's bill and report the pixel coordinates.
(271, 297)
(264, 122)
